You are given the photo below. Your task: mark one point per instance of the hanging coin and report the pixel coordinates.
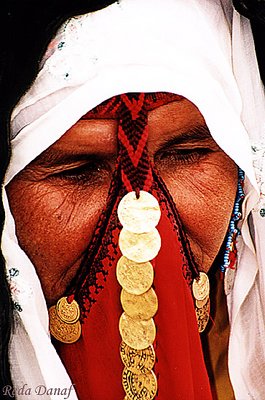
(201, 303)
(142, 306)
(139, 247)
(139, 386)
(203, 315)
(137, 361)
(201, 286)
(135, 278)
(138, 334)
(139, 215)
(229, 279)
(68, 312)
(60, 330)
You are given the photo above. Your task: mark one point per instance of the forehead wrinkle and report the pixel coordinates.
(85, 140)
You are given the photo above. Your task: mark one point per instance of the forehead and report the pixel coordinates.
(170, 119)
(175, 115)
(131, 104)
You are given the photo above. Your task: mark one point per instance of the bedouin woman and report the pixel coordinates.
(134, 204)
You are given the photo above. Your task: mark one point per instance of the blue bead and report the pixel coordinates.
(233, 231)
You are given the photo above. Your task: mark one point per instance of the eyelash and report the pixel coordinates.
(182, 156)
(90, 172)
(97, 171)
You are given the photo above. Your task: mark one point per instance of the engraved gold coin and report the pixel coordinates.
(60, 330)
(201, 286)
(137, 361)
(139, 215)
(68, 312)
(135, 278)
(143, 306)
(203, 315)
(139, 386)
(201, 303)
(138, 334)
(140, 247)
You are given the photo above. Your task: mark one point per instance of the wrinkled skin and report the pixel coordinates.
(57, 199)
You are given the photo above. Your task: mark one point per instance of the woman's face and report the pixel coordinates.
(57, 199)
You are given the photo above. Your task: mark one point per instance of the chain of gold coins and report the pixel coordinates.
(139, 242)
(64, 321)
(201, 293)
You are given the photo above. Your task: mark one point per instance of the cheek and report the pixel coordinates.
(204, 196)
(54, 226)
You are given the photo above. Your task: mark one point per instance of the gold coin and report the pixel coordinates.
(203, 315)
(68, 312)
(139, 386)
(201, 286)
(143, 306)
(138, 334)
(60, 330)
(135, 278)
(139, 215)
(137, 361)
(139, 247)
(201, 303)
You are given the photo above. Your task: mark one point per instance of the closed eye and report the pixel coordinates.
(94, 171)
(181, 156)
(186, 149)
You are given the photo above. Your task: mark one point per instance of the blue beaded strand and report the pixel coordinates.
(233, 230)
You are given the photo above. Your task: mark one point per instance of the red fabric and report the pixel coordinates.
(93, 362)
(180, 366)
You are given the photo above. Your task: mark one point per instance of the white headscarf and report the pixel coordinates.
(200, 49)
